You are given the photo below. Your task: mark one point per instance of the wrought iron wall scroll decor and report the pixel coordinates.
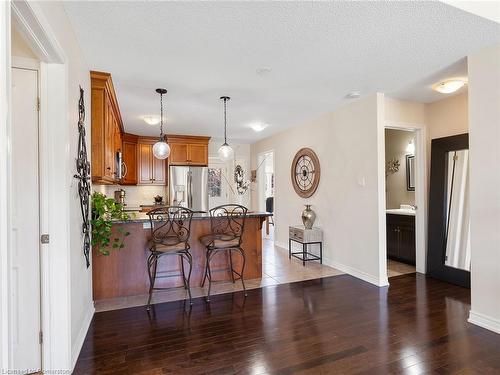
(83, 176)
(239, 178)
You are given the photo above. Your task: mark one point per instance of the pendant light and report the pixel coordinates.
(225, 151)
(161, 150)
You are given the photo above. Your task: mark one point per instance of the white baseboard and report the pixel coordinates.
(484, 321)
(380, 282)
(77, 346)
(281, 244)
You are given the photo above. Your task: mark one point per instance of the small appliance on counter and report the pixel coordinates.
(120, 197)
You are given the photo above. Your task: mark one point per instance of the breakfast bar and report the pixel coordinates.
(124, 272)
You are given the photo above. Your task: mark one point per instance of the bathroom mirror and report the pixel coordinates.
(448, 251)
(410, 172)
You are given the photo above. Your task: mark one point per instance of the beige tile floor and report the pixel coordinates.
(276, 269)
(396, 268)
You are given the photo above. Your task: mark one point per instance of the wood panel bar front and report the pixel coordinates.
(124, 272)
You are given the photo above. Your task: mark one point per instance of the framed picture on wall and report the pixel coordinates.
(410, 172)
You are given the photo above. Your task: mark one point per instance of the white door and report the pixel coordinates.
(25, 272)
(217, 183)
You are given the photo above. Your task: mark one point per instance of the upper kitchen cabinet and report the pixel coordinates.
(107, 130)
(188, 150)
(151, 171)
(129, 154)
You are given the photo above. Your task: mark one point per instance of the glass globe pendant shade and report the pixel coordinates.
(411, 147)
(161, 150)
(225, 152)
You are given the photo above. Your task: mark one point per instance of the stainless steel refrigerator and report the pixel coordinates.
(189, 187)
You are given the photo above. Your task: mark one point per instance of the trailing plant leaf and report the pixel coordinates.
(104, 210)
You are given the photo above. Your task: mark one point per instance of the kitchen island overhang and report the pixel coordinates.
(124, 272)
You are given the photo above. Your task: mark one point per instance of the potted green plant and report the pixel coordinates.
(104, 211)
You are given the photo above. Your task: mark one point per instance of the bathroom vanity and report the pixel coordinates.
(401, 236)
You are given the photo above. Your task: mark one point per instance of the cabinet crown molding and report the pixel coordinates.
(103, 81)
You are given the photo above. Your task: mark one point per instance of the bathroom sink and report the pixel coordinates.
(404, 209)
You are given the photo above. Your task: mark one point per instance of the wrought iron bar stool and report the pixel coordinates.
(227, 224)
(170, 231)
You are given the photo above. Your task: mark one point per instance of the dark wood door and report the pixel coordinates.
(401, 238)
(407, 243)
(438, 200)
(392, 240)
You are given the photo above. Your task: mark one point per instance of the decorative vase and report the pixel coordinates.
(308, 217)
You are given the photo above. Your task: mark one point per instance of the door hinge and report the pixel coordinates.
(38, 104)
(44, 238)
(40, 337)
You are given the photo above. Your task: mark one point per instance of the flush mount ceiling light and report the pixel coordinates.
(449, 86)
(161, 150)
(225, 151)
(151, 120)
(258, 126)
(263, 70)
(353, 95)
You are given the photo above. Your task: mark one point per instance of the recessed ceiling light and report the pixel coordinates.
(151, 120)
(263, 70)
(449, 86)
(258, 126)
(353, 95)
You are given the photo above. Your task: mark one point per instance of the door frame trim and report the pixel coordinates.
(5, 63)
(421, 179)
(260, 193)
(54, 182)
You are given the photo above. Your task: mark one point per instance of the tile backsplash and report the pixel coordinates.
(137, 195)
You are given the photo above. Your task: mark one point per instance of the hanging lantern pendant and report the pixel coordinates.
(225, 151)
(161, 150)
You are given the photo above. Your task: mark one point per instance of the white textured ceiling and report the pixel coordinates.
(317, 52)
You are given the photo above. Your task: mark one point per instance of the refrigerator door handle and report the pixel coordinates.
(190, 189)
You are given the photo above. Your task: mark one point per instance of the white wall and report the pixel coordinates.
(347, 199)
(484, 120)
(397, 110)
(19, 48)
(448, 116)
(77, 72)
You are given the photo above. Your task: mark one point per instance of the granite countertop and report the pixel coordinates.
(141, 217)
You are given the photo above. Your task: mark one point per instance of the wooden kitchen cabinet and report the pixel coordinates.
(151, 171)
(107, 129)
(129, 155)
(401, 238)
(188, 150)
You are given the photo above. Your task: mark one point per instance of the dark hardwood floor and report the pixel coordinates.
(335, 325)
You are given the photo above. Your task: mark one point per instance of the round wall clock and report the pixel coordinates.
(305, 172)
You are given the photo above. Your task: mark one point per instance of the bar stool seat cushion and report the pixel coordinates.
(166, 246)
(219, 241)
